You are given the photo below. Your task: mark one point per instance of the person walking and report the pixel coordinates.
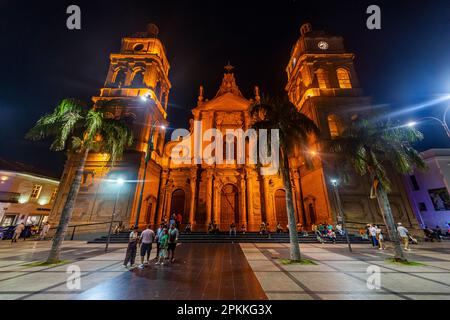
(130, 256)
(146, 240)
(163, 245)
(172, 243)
(404, 235)
(18, 231)
(44, 231)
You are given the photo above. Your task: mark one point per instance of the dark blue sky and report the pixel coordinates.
(406, 63)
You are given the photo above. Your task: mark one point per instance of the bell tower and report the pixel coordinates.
(137, 84)
(323, 84)
(136, 90)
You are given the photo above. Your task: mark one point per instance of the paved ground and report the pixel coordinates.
(224, 271)
(343, 275)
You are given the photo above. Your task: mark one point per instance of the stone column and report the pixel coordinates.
(162, 197)
(243, 201)
(193, 186)
(270, 217)
(209, 181)
(249, 184)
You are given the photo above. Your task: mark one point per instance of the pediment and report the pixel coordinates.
(226, 102)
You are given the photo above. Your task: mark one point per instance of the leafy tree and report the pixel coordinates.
(294, 129)
(371, 148)
(79, 130)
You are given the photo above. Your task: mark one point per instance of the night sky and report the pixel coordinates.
(406, 64)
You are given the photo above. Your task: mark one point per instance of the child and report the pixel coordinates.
(380, 239)
(163, 245)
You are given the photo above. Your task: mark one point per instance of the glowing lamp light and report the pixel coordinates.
(163, 127)
(313, 152)
(143, 98)
(43, 201)
(334, 181)
(120, 181)
(4, 178)
(411, 124)
(23, 199)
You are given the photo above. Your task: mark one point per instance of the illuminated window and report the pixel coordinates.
(322, 79)
(334, 125)
(54, 193)
(36, 191)
(343, 78)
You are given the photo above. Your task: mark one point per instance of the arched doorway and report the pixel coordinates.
(280, 207)
(229, 207)
(178, 203)
(312, 213)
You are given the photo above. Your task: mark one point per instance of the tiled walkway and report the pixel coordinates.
(201, 271)
(225, 271)
(342, 275)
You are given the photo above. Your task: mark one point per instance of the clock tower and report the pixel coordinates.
(323, 84)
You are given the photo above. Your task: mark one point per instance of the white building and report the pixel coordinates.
(25, 194)
(429, 191)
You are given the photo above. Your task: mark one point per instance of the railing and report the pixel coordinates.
(75, 226)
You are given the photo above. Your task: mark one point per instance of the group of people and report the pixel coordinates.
(326, 230)
(375, 235)
(166, 240)
(21, 231)
(434, 234)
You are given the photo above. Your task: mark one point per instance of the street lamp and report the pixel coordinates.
(150, 148)
(119, 183)
(442, 122)
(340, 216)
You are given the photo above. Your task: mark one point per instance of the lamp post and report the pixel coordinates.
(340, 216)
(119, 182)
(442, 122)
(150, 148)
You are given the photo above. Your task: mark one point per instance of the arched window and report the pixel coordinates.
(119, 79)
(334, 124)
(138, 80)
(343, 78)
(322, 79)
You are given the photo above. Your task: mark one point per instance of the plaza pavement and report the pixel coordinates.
(213, 271)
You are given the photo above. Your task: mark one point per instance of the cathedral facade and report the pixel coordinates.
(321, 82)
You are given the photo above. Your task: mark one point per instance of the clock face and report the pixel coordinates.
(323, 45)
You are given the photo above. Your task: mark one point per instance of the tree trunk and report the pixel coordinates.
(67, 211)
(302, 202)
(385, 208)
(293, 234)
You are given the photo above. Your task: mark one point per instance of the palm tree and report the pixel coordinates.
(369, 148)
(88, 131)
(294, 129)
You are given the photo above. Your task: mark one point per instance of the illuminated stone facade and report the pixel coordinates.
(322, 83)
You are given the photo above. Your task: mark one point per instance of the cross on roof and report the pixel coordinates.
(229, 67)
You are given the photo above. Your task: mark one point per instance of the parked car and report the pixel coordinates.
(7, 232)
